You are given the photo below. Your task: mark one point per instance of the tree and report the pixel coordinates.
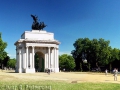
(96, 51)
(81, 51)
(11, 63)
(100, 52)
(114, 55)
(67, 62)
(5, 61)
(3, 54)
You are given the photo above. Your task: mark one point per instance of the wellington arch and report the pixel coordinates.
(40, 44)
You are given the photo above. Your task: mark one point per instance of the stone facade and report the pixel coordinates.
(42, 43)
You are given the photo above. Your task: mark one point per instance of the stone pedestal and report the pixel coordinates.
(29, 70)
(20, 70)
(56, 69)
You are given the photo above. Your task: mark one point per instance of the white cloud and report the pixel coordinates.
(11, 56)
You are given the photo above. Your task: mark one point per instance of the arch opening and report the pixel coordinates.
(39, 62)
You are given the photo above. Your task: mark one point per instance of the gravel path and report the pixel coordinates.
(62, 76)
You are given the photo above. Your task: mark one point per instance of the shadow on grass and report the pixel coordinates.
(8, 71)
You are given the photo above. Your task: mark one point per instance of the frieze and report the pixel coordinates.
(42, 41)
(40, 48)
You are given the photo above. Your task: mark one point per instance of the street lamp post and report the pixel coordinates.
(84, 58)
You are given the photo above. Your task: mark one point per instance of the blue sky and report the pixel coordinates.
(67, 19)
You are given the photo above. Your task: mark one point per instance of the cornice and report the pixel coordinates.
(38, 41)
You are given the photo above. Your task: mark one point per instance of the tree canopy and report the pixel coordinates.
(3, 53)
(11, 63)
(97, 52)
(66, 62)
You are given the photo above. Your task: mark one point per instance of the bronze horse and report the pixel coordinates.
(36, 25)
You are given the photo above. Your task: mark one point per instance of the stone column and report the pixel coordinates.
(57, 58)
(33, 65)
(48, 57)
(54, 57)
(51, 58)
(26, 57)
(20, 59)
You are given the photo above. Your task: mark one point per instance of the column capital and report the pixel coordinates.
(49, 47)
(56, 48)
(33, 46)
(26, 46)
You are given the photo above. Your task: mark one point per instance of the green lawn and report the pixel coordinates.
(56, 85)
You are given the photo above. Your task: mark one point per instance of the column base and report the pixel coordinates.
(56, 70)
(20, 70)
(30, 70)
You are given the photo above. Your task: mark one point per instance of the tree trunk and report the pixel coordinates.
(96, 64)
(110, 67)
(89, 66)
(98, 68)
(2, 66)
(81, 67)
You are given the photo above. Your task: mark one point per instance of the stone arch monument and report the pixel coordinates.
(37, 42)
(40, 42)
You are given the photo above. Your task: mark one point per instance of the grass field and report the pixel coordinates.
(57, 81)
